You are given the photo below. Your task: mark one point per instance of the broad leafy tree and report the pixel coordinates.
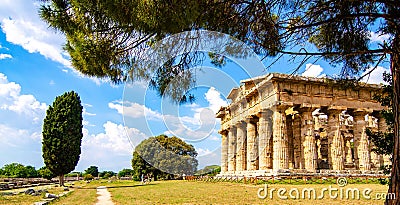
(19, 171)
(106, 174)
(107, 38)
(92, 170)
(62, 134)
(45, 173)
(125, 173)
(164, 156)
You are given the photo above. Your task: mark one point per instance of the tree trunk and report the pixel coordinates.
(394, 187)
(61, 180)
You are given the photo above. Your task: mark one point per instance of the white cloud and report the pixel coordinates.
(35, 38)
(11, 99)
(197, 127)
(85, 112)
(313, 71)
(201, 151)
(376, 76)
(379, 37)
(22, 26)
(5, 56)
(134, 110)
(12, 136)
(52, 82)
(21, 117)
(116, 139)
(214, 99)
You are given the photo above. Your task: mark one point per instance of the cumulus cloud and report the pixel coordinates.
(116, 139)
(199, 126)
(202, 151)
(85, 112)
(11, 99)
(379, 37)
(21, 117)
(134, 110)
(214, 99)
(313, 71)
(12, 136)
(376, 76)
(5, 56)
(21, 24)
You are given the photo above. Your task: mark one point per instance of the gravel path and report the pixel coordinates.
(103, 196)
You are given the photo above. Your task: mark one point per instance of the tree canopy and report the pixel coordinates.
(45, 173)
(62, 134)
(125, 173)
(92, 170)
(163, 156)
(16, 170)
(106, 174)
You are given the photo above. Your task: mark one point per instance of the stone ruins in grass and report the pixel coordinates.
(280, 123)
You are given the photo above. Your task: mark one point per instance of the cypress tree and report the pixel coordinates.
(62, 134)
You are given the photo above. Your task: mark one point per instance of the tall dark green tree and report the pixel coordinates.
(105, 41)
(164, 156)
(62, 134)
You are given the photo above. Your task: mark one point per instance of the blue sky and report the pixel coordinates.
(34, 70)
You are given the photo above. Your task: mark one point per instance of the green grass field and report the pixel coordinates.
(192, 192)
(181, 192)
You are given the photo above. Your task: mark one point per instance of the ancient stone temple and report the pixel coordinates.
(280, 123)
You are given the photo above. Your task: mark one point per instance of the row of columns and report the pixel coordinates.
(266, 141)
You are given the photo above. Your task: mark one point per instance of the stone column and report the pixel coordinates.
(349, 156)
(241, 146)
(232, 149)
(264, 140)
(252, 149)
(361, 143)
(289, 129)
(297, 143)
(309, 143)
(280, 139)
(335, 140)
(224, 150)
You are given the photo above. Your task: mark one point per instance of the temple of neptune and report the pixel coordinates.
(280, 123)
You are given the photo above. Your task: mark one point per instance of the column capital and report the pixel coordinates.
(231, 127)
(335, 110)
(306, 107)
(279, 107)
(240, 123)
(362, 112)
(265, 112)
(250, 119)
